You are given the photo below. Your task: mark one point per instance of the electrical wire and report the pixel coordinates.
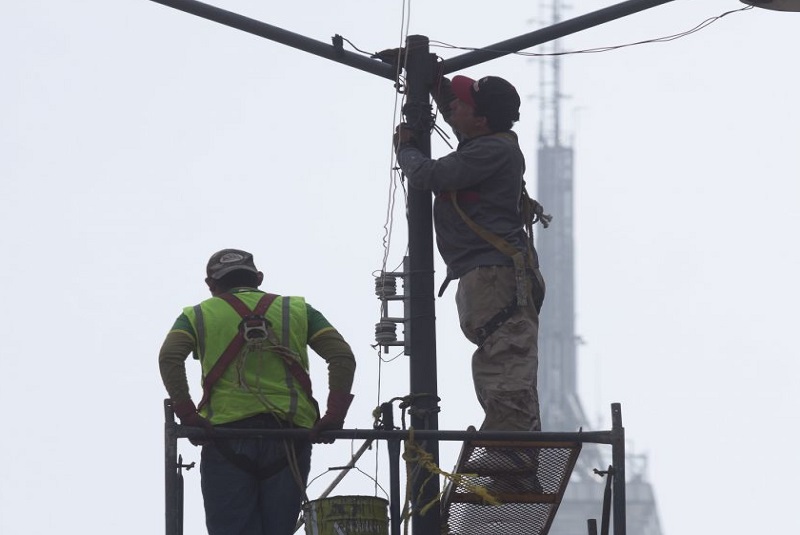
(388, 226)
(595, 50)
(398, 101)
(349, 42)
(392, 359)
(706, 23)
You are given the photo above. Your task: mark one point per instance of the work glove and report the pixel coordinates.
(338, 404)
(186, 411)
(403, 135)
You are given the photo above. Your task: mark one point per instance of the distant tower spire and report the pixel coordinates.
(550, 94)
(558, 352)
(561, 406)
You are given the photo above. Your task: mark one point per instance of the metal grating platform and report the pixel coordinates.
(527, 478)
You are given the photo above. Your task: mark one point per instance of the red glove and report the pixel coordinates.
(186, 411)
(338, 404)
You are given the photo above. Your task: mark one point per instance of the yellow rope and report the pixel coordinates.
(414, 454)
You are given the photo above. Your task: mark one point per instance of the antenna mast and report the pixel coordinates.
(550, 95)
(558, 341)
(561, 406)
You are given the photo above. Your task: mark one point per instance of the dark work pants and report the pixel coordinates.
(239, 502)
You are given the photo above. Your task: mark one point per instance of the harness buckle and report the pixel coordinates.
(254, 328)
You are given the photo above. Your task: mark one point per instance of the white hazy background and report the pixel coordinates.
(135, 140)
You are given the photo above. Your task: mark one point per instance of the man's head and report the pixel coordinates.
(491, 97)
(232, 268)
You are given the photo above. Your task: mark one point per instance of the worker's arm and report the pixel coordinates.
(468, 166)
(171, 360)
(331, 346)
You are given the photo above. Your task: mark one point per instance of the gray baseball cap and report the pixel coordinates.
(223, 262)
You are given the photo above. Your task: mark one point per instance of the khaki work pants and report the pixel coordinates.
(504, 368)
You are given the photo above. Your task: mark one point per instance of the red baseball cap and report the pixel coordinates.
(491, 96)
(463, 88)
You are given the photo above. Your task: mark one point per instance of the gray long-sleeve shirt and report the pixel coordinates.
(486, 172)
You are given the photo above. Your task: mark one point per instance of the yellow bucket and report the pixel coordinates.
(347, 515)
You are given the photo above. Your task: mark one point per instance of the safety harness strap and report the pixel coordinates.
(236, 344)
(243, 462)
(280, 346)
(517, 257)
(495, 322)
(520, 260)
(253, 466)
(532, 212)
(258, 312)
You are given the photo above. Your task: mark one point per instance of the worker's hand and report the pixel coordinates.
(338, 405)
(403, 135)
(186, 411)
(326, 423)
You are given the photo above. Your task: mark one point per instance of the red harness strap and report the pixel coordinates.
(467, 196)
(300, 375)
(236, 344)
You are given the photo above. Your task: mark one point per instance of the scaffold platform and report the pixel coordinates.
(525, 480)
(504, 482)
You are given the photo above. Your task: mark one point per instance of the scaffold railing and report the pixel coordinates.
(476, 444)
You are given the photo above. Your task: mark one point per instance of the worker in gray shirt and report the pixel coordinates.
(483, 232)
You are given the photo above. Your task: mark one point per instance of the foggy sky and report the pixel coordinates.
(137, 140)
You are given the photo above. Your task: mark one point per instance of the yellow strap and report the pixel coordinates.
(501, 245)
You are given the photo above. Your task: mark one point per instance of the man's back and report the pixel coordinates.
(259, 377)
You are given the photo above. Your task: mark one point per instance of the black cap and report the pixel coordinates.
(491, 96)
(223, 262)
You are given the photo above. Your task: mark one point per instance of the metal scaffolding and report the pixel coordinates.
(485, 454)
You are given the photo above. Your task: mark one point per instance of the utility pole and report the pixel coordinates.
(420, 67)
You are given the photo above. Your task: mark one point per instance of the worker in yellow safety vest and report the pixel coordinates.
(252, 348)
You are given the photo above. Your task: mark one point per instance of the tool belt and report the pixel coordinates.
(524, 265)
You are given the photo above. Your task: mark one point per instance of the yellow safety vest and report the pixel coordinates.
(259, 379)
